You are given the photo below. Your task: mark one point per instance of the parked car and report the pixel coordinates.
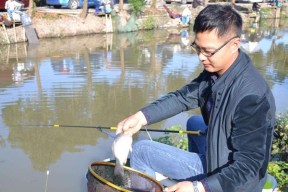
(179, 1)
(71, 4)
(249, 1)
(24, 2)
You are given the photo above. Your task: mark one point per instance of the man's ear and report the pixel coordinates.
(235, 45)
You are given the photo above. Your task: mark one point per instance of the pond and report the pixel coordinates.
(99, 80)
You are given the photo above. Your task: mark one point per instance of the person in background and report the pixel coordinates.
(186, 15)
(238, 115)
(256, 7)
(11, 7)
(108, 6)
(171, 13)
(1, 17)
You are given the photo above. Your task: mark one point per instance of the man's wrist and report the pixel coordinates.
(202, 185)
(198, 186)
(195, 186)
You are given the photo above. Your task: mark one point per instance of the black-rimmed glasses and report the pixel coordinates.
(208, 53)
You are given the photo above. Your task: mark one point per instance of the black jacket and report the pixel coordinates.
(240, 125)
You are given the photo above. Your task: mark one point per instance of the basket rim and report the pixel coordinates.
(125, 167)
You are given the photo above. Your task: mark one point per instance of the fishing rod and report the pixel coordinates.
(199, 133)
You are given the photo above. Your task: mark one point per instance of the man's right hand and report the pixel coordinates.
(132, 124)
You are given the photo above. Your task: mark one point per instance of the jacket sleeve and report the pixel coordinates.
(173, 103)
(251, 129)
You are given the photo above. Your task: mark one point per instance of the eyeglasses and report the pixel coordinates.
(208, 53)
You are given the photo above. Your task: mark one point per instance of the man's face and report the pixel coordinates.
(216, 54)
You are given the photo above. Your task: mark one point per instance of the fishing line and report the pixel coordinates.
(145, 127)
(47, 173)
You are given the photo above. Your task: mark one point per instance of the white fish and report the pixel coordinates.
(121, 146)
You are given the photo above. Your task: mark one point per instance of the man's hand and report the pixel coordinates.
(184, 186)
(132, 124)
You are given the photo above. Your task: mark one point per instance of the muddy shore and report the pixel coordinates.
(55, 25)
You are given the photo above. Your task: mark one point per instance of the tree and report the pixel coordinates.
(84, 12)
(153, 4)
(30, 8)
(121, 4)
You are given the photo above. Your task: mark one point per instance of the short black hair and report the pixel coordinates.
(224, 18)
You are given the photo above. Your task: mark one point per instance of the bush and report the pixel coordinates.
(178, 140)
(279, 169)
(136, 6)
(279, 166)
(280, 142)
(149, 23)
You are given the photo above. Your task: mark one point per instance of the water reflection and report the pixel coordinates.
(98, 80)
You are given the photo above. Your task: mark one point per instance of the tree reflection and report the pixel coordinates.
(270, 61)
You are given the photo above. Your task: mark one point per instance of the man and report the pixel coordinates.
(256, 7)
(186, 15)
(237, 106)
(12, 7)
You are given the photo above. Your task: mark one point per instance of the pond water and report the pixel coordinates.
(99, 80)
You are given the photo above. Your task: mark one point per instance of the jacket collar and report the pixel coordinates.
(239, 65)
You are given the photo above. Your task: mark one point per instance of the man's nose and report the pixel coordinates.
(201, 56)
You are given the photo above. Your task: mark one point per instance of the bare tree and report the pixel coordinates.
(153, 4)
(84, 12)
(121, 4)
(30, 8)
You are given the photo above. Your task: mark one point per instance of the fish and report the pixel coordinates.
(121, 147)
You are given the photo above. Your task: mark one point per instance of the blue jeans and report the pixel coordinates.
(10, 13)
(185, 19)
(150, 157)
(196, 144)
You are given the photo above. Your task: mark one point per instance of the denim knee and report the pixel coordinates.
(137, 148)
(195, 123)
